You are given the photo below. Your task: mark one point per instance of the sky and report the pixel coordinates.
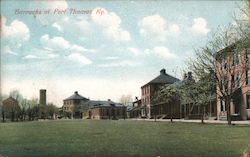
(102, 49)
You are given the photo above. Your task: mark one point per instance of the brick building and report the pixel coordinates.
(10, 109)
(147, 95)
(232, 66)
(107, 110)
(75, 106)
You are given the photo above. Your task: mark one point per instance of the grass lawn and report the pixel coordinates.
(121, 138)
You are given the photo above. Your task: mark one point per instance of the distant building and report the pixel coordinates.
(135, 110)
(42, 99)
(107, 110)
(147, 95)
(10, 109)
(77, 106)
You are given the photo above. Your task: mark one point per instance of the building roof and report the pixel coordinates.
(76, 96)
(9, 100)
(163, 78)
(103, 103)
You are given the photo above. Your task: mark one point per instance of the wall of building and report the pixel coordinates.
(240, 107)
(108, 113)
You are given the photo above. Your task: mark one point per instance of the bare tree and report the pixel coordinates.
(126, 99)
(225, 60)
(15, 110)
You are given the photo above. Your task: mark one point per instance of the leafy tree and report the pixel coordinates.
(166, 94)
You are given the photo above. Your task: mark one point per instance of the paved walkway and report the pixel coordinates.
(247, 122)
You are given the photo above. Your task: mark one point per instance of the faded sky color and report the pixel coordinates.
(111, 51)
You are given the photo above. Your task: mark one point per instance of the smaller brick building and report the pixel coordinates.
(77, 106)
(10, 109)
(107, 110)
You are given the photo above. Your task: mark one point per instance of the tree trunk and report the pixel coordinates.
(154, 112)
(171, 112)
(228, 111)
(202, 114)
(3, 116)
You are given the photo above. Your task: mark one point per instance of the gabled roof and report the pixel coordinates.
(163, 78)
(76, 96)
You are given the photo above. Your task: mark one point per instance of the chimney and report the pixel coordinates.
(76, 92)
(109, 100)
(163, 71)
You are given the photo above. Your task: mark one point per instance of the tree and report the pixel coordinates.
(167, 94)
(2, 110)
(52, 110)
(15, 110)
(126, 99)
(220, 60)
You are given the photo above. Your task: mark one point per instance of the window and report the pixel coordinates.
(222, 105)
(237, 84)
(236, 58)
(248, 100)
(248, 54)
(247, 77)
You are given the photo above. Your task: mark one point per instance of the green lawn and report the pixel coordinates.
(121, 138)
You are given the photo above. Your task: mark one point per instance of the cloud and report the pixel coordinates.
(123, 63)
(77, 48)
(49, 5)
(14, 35)
(154, 26)
(134, 50)
(52, 55)
(111, 24)
(78, 25)
(200, 26)
(55, 42)
(7, 49)
(16, 30)
(174, 28)
(30, 57)
(57, 26)
(59, 43)
(161, 51)
(77, 57)
(111, 58)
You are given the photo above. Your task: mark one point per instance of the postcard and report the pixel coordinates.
(128, 78)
